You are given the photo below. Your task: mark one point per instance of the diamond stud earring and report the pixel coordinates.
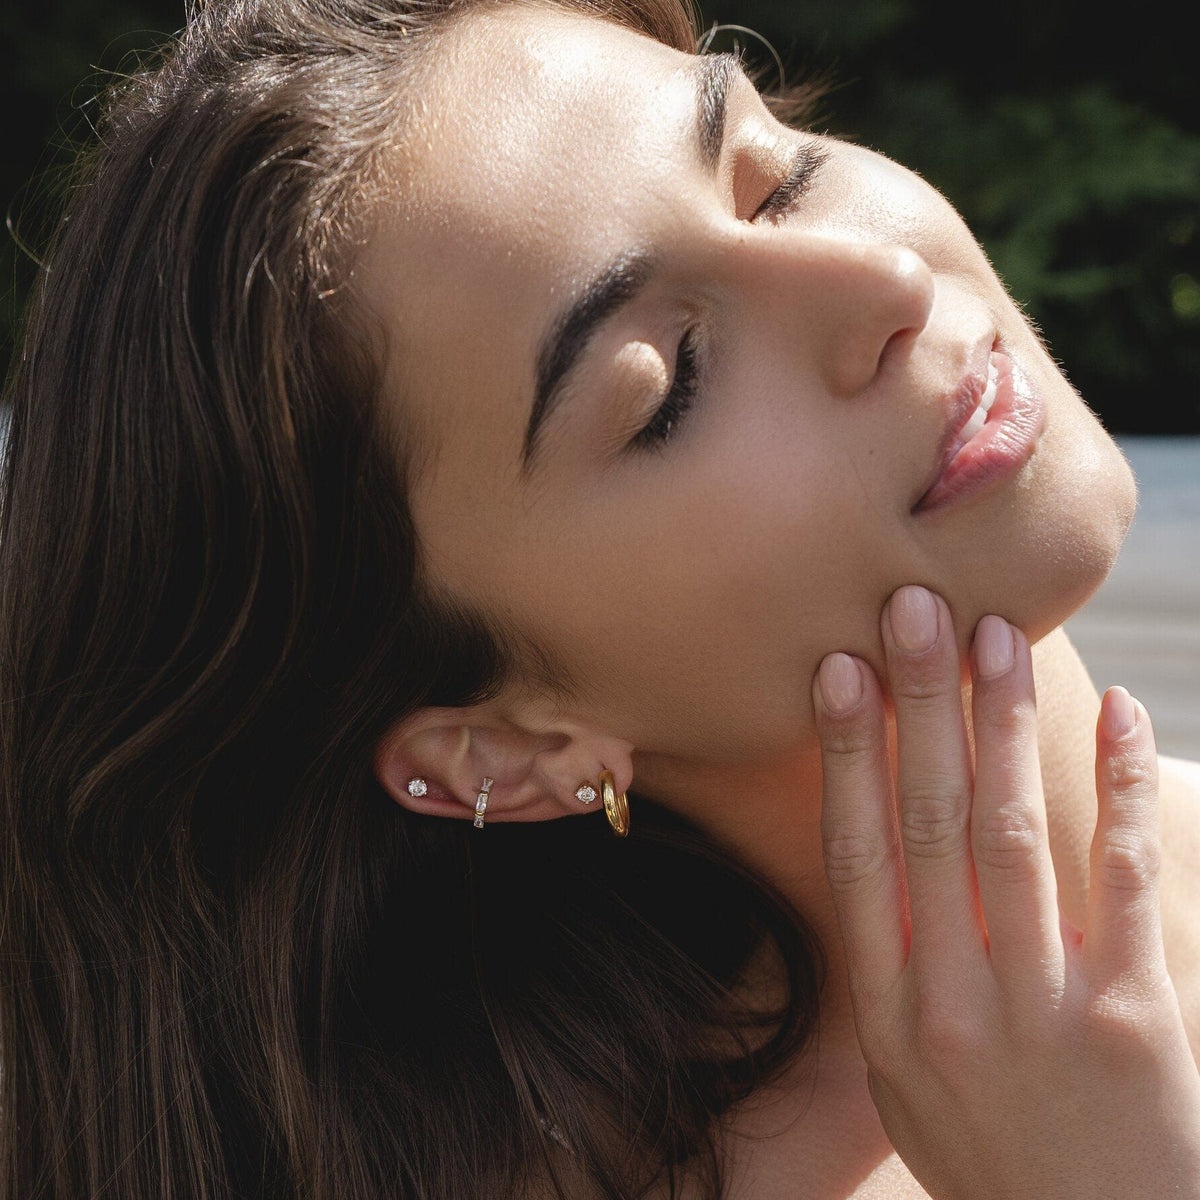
(417, 787)
(481, 801)
(585, 793)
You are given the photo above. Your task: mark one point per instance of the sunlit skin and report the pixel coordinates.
(690, 589)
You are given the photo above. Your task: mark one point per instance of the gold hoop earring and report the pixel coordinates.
(616, 804)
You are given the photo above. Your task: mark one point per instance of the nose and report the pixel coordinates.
(855, 299)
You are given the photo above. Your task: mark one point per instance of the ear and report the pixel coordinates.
(536, 759)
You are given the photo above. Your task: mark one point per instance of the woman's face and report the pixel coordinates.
(684, 384)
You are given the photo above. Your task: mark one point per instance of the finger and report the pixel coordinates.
(858, 823)
(1122, 929)
(1009, 840)
(934, 780)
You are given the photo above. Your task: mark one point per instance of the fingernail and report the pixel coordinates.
(913, 614)
(841, 684)
(1117, 713)
(993, 647)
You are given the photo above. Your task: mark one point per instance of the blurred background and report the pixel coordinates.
(1069, 140)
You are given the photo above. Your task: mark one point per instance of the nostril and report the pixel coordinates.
(898, 346)
(887, 294)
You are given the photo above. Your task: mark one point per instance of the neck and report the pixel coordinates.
(774, 825)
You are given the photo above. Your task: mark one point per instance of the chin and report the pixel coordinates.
(1039, 554)
(1081, 526)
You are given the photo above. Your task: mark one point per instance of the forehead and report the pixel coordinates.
(524, 96)
(536, 142)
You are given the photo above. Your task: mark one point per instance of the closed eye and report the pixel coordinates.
(806, 162)
(679, 398)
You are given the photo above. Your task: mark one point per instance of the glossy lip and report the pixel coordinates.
(998, 450)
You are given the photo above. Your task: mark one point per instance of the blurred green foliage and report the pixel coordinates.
(1069, 141)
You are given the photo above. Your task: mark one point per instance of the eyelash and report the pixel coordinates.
(806, 162)
(679, 398)
(682, 394)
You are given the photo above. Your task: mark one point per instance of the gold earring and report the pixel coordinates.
(616, 804)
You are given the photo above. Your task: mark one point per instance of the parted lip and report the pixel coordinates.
(991, 451)
(959, 404)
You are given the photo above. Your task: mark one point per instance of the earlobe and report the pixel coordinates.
(480, 762)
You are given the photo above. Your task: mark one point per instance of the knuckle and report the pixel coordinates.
(1126, 1013)
(1129, 771)
(935, 825)
(847, 739)
(1127, 862)
(1005, 717)
(854, 858)
(1006, 840)
(949, 1034)
(923, 683)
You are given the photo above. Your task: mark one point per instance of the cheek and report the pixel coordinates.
(712, 607)
(1037, 550)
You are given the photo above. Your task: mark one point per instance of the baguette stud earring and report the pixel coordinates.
(585, 793)
(481, 801)
(616, 804)
(417, 787)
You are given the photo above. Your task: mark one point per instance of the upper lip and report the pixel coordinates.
(959, 404)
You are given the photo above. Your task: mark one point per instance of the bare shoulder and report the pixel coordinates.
(891, 1180)
(1183, 772)
(1179, 884)
(1179, 787)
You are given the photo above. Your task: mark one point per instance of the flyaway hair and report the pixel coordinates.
(230, 967)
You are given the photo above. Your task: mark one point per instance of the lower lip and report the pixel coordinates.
(998, 450)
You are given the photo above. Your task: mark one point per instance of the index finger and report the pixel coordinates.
(859, 832)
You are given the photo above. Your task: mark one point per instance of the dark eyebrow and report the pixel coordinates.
(624, 278)
(614, 287)
(714, 77)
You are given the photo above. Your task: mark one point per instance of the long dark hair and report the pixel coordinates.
(230, 966)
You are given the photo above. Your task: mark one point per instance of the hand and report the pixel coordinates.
(1009, 1055)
